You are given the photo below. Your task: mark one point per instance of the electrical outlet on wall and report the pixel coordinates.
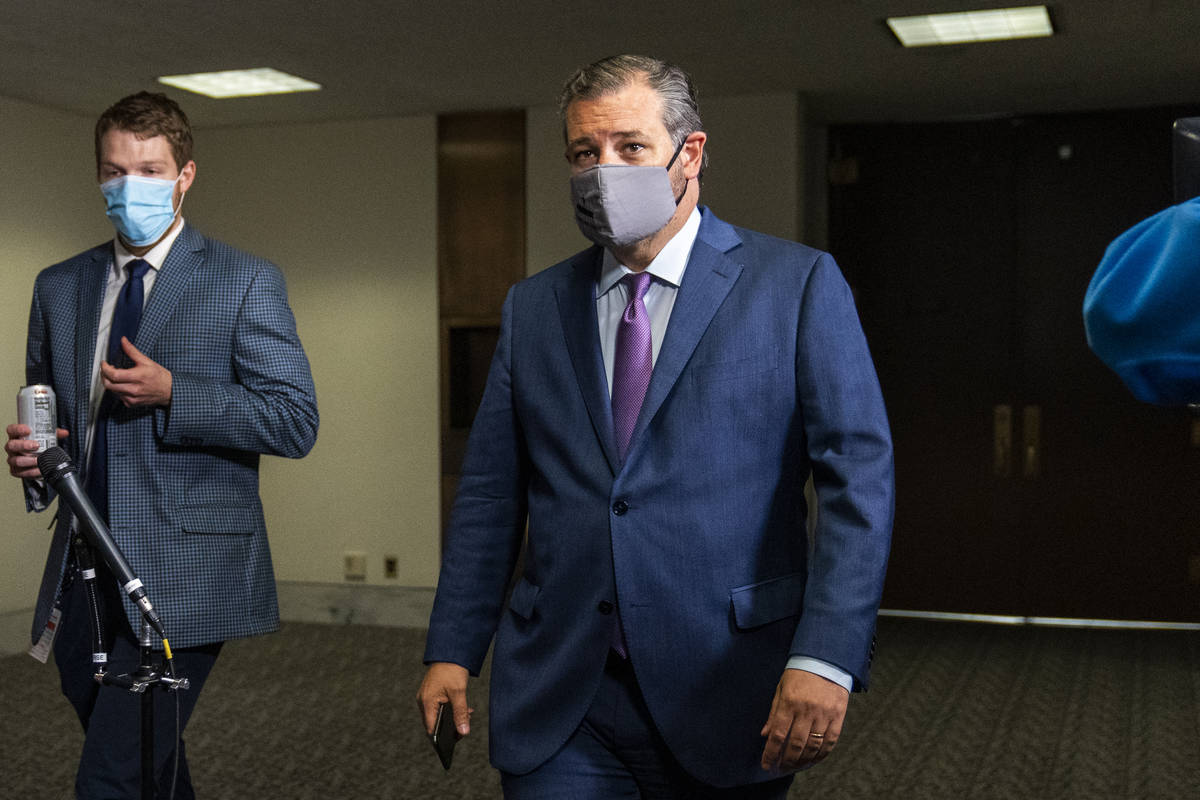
(391, 567)
(355, 562)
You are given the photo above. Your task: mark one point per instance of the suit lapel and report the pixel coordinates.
(185, 256)
(576, 298)
(92, 277)
(707, 281)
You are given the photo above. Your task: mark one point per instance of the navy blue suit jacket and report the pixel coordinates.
(700, 535)
(183, 481)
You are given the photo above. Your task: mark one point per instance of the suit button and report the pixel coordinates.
(620, 507)
(604, 607)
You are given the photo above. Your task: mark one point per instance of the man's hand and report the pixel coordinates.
(805, 723)
(22, 458)
(445, 683)
(146, 383)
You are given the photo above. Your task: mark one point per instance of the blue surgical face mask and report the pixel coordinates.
(140, 208)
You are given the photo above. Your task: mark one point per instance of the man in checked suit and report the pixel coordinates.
(653, 410)
(177, 364)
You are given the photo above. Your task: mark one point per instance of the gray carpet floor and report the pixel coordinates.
(955, 711)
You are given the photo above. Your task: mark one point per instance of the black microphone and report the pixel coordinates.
(57, 469)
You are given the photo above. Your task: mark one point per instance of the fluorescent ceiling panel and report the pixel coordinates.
(240, 83)
(972, 26)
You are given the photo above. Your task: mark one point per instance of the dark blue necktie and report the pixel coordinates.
(126, 317)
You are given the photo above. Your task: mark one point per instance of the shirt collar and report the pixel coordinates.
(155, 257)
(668, 266)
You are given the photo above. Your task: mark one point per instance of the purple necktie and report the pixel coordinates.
(632, 366)
(632, 363)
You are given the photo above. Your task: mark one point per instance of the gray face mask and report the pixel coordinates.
(619, 204)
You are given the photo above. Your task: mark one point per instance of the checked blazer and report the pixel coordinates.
(697, 538)
(183, 481)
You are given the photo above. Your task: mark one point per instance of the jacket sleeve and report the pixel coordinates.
(850, 448)
(487, 523)
(271, 406)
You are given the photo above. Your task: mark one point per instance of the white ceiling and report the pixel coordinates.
(392, 58)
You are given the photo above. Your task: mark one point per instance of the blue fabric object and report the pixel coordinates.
(183, 481)
(1142, 308)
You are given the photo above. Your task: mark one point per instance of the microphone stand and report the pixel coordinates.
(91, 532)
(86, 565)
(150, 674)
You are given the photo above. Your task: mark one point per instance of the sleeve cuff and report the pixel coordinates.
(823, 668)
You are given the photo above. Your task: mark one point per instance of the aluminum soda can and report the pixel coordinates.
(37, 407)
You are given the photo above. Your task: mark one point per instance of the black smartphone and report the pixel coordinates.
(444, 735)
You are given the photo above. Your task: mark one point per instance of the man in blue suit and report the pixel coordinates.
(176, 363)
(674, 631)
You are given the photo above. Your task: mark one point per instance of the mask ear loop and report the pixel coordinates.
(678, 150)
(182, 195)
(670, 163)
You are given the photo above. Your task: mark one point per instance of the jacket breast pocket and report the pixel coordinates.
(758, 604)
(524, 599)
(215, 519)
(745, 368)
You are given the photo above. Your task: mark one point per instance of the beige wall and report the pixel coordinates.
(753, 146)
(348, 210)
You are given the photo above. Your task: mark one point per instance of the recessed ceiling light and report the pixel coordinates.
(240, 83)
(972, 26)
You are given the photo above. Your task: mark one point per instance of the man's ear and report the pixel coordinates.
(187, 175)
(692, 154)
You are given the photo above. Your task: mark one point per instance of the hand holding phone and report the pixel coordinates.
(444, 736)
(444, 686)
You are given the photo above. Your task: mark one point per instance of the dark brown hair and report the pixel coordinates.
(147, 115)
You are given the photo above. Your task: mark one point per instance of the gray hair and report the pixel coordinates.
(680, 109)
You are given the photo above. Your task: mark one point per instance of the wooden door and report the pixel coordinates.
(921, 224)
(1029, 481)
(1113, 505)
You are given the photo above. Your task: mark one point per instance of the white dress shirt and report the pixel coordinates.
(612, 296)
(112, 288)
